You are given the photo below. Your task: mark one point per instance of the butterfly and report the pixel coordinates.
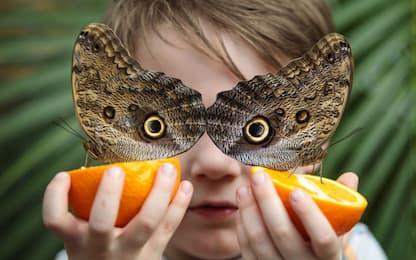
(279, 121)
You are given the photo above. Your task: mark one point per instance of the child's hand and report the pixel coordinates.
(145, 237)
(265, 230)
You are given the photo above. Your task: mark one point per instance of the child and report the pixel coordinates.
(219, 212)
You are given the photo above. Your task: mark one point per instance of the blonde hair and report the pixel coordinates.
(269, 26)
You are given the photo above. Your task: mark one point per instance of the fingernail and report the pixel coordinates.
(115, 172)
(297, 195)
(167, 170)
(242, 193)
(61, 176)
(186, 187)
(258, 178)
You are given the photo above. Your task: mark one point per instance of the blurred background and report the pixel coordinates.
(36, 40)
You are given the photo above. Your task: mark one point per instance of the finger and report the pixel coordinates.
(324, 241)
(246, 251)
(253, 225)
(170, 222)
(105, 207)
(142, 226)
(349, 179)
(55, 208)
(284, 234)
(307, 169)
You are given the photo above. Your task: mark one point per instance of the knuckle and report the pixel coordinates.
(147, 226)
(99, 228)
(243, 244)
(51, 223)
(282, 233)
(265, 193)
(166, 187)
(257, 236)
(329, 243)
(168, 227)
(326, 241)
(242, 241)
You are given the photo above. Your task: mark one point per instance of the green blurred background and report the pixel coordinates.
(35, 90)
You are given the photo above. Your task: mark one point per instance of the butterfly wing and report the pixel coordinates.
(282, 120)
(127, 112)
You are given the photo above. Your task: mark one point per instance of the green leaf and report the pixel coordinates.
(377, 27)
(50, 143)
(26, 191)
(35, 113)
(51, 76)
(356, 10)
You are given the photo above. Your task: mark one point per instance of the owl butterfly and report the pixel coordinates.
(277, 120)
(281, 121)
(129, 113)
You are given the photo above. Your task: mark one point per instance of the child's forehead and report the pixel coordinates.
(169, 51)
(176, 38)
(168, 40)
(176, 57)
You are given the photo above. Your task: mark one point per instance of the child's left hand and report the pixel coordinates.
(265, 230)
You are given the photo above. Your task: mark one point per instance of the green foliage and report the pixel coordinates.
(36, 40)
(381, 104)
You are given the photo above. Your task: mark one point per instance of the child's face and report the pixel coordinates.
(208, 228)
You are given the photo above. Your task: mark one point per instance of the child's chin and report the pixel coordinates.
(207, 247)
(215, 255)
(196, 239)
(217, 251)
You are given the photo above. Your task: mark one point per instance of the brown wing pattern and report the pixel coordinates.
(127, 112)
(281, 121)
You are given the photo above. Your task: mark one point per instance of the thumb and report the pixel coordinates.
(349, 179)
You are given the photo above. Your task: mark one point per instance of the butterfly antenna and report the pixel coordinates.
(86, 161)
(321, 170)
(353, 132)
(65, 125)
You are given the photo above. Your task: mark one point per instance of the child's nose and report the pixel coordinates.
(209, 162)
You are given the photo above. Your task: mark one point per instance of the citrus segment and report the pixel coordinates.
(342, 206)
(139, 178)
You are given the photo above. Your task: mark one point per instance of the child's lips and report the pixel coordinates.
(215, 210)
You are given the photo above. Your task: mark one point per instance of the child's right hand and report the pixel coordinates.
(145, 237)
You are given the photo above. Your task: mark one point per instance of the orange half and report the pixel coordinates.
(342, 206)
(139, 179)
